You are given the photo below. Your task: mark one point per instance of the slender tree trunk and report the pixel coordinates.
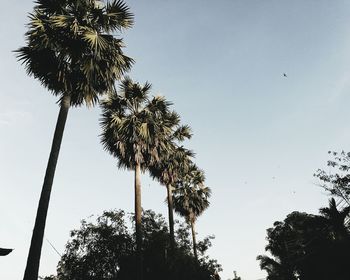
(194, 240)
(138, 213)
(33, 261)
(171, 217)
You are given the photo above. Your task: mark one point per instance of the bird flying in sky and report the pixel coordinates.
(4, 252)
(285, 75)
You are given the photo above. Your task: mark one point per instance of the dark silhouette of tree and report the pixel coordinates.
(276, 269)
(135, 128)
(191, 199)
(72, 51)
(235, 277)
(105, 250)
(306, 246)
(336, 219)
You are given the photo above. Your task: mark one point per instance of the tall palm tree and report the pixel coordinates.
(72, 51)
(135, 129)
(336, 219)
(167, 172)
(191, 198)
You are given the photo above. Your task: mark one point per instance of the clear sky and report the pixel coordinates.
(258, 135)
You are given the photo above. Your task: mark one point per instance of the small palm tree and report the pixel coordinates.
(135, 129)
(168, 170)
(336, 219)
(276, 269)
(72, 51)
(191, 198)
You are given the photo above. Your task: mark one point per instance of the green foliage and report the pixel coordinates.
(172, 165)
(71, 48)
(135, 128)
(306, 246)
(106, 250)
(191, 196)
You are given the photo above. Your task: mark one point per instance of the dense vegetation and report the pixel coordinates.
(106, 249)
(306, 246)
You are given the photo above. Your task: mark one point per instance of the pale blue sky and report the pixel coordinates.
(258, 136)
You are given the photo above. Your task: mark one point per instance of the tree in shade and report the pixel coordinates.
(72, 51)
(135, 128)
(191, 198)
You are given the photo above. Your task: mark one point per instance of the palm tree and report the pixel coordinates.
(191, 198)
(135, 129)
(168, 170)
(276, 269)
(336, 219)
(72, 51)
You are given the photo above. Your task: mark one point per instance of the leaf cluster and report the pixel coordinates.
(71, 48)
(191, 196)
(135, 127)
(337, 180)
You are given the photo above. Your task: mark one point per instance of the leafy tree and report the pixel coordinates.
(191, 198)
(105, 250)
(72, 51)
(337, 183)
(135, 128)
(304, 243)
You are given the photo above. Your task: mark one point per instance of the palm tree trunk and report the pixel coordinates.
(138, 213)
(33, 261)
(194, 240)
(171, 217)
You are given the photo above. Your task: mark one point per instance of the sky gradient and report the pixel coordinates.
(258, 135)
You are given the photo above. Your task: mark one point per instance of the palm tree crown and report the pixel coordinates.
(191, 196)
(171, 165)
(136, 129)
(71, 48)
(336, 219)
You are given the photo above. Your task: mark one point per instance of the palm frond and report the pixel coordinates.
(71, 52)
(118, 16)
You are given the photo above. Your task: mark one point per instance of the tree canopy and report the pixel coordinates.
(306, 246)
(105, 250)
